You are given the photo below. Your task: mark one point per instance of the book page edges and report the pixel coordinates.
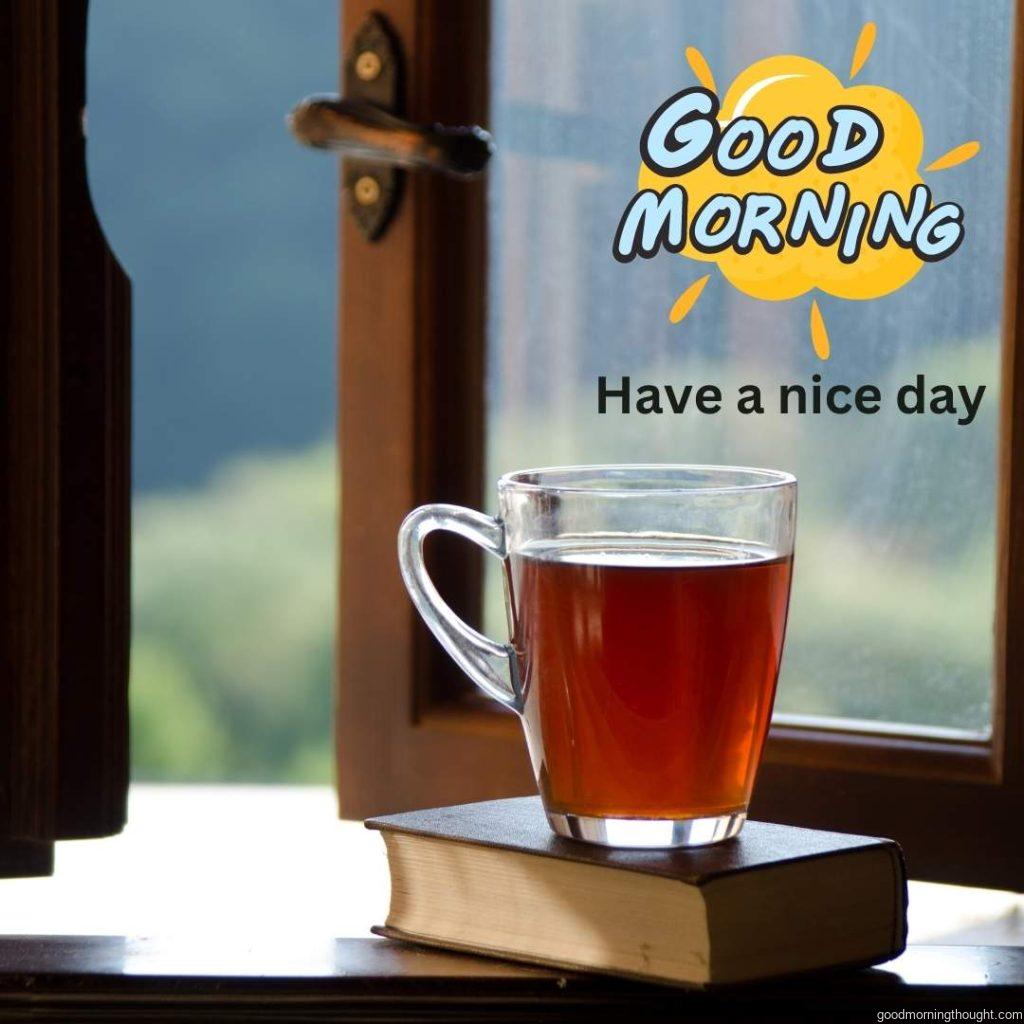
(516, 905)
(867, 941)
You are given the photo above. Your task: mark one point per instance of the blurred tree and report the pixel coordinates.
(234, 624)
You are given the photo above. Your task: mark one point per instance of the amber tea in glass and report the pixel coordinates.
(648, 609)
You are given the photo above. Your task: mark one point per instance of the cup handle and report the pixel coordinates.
(491, 665)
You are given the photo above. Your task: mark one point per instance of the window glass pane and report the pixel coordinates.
(227, 229)
(894, 589)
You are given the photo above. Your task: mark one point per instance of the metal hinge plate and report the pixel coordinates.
(373, 72)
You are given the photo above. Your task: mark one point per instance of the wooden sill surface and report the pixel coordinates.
(110, 978)
(257, 862)
(254, 862)
(257, 903)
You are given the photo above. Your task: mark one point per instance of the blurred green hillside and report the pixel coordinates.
(233, 627)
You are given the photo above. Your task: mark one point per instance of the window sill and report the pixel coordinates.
(231, 862)
(272, 864)
(106, 978)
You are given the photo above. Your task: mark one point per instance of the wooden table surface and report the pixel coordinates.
(111, 978)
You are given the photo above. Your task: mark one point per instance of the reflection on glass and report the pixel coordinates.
(894, 586)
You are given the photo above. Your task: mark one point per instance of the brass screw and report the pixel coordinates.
(368, 66)
(367, 190)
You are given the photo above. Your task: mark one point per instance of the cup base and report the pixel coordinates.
(647, 833)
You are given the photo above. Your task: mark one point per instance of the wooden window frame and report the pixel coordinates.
(411, 431)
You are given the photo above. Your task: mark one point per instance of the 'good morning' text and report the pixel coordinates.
(684, 133)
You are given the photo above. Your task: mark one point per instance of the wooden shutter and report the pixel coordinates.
(64, 475)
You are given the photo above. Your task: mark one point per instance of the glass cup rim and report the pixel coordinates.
(756, 479)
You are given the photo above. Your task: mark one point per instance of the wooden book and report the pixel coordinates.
(491, 878)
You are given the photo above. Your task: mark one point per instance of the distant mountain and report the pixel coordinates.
(226, 226)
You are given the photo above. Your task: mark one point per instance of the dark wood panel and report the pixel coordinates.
(1009, 684)
(28, 469)
(25, 858)
(451, 255)
(368, 979)
(95, 481)
(64, 416)
(949, 830)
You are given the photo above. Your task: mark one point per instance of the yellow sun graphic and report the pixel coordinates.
(773, 90)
